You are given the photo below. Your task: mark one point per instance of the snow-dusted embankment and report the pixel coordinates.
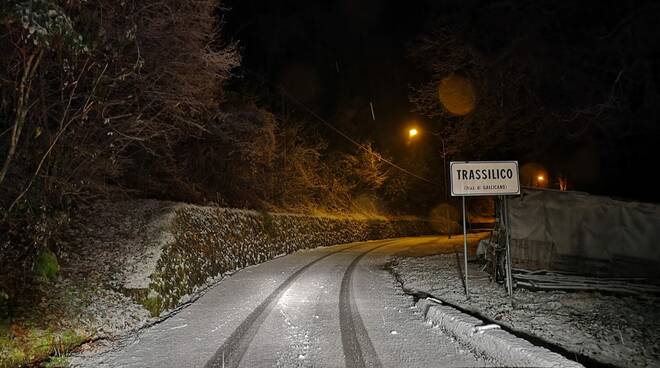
(185, 247)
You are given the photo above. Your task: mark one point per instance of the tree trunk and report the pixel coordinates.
(22, 107)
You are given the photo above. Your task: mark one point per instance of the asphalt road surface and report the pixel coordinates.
(327, 307)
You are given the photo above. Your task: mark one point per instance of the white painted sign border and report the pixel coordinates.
(451, 180)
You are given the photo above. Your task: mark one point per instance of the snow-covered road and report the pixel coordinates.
(327, 307)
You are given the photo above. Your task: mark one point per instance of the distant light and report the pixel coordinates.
(457, 94)
(412, 132)
(541, 178)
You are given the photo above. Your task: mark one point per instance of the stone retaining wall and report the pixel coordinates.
(205, 243)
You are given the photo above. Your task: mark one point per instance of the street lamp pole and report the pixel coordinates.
(444, 165)
(412, 133)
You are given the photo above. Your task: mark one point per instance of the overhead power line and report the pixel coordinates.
(347, 137)
(337, 130)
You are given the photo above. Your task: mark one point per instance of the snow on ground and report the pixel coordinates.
(308, 309)
(123, 262)
(611, 329)
(104, 255)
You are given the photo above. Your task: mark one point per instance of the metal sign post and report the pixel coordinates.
(483, 178)
(465, 251)
(507, 233)
(508, 245)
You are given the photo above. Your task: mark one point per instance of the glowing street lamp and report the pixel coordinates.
(539, 180)
(412, 133)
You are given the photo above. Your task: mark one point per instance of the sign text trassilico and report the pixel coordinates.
(478, 178)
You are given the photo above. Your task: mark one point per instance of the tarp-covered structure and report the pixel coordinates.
(578, 232)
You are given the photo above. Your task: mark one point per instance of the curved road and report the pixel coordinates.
(327, 307)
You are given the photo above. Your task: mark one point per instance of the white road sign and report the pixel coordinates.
(477, 178)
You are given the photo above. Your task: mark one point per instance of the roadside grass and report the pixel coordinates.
(41, 328)
(21, 346)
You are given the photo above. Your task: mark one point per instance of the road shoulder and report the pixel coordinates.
(595, 329)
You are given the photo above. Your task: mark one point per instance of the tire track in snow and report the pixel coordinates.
(358, 349)
(233, 349)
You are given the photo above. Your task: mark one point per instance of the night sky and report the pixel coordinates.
(338, 56)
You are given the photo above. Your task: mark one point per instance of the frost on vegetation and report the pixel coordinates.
(42, 23)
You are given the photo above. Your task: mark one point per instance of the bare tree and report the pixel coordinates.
(534, 78)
